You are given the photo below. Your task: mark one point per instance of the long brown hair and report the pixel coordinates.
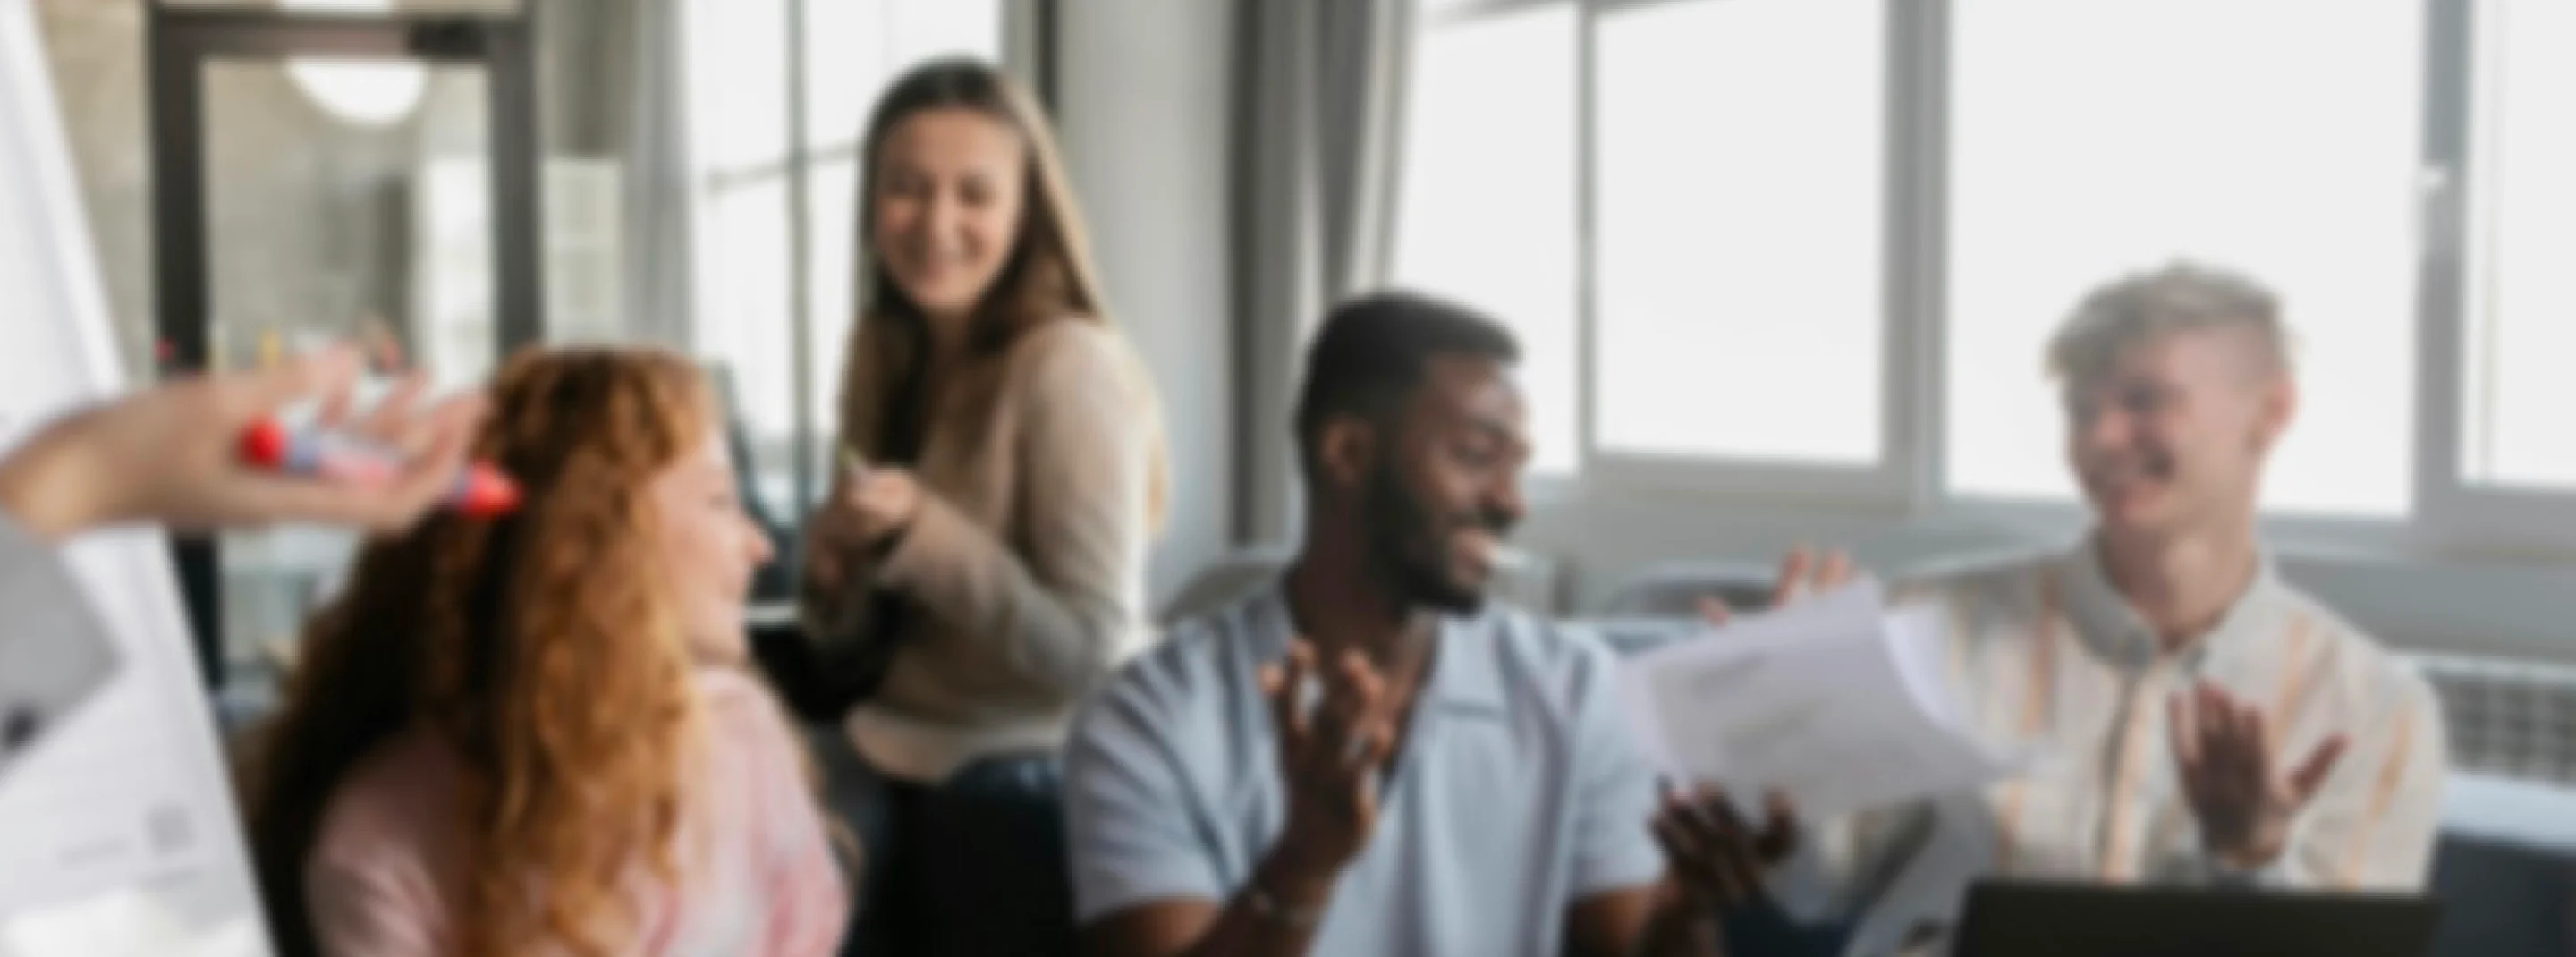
(1048, 276)
(539, 648)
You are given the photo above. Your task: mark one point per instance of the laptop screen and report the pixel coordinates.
(2033, 919)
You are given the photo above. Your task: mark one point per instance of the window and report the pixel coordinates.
(2088, 140)
(2522, 321)
(1793, 249)
(758, 162)
(1486, 213)
(1739, 200)
(851, 50)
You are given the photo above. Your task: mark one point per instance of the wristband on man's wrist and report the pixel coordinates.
(1272, 909)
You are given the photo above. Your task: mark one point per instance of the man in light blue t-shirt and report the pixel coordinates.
(1363, 758)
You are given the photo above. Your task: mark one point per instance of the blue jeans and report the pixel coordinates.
(972, 866)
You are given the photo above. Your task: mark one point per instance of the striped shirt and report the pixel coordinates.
(2047, 656)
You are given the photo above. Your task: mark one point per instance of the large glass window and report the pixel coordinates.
(1740, 204)
(1728, 208)
(1486, 213)
(2093, 139)
(2522, 322)
(763, 164)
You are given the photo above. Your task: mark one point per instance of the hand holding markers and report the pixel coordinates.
(478, 490)
(172, 454)
(870, 506)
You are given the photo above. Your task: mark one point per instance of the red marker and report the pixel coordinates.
(481, 491)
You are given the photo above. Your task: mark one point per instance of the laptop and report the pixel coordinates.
(2017, 919)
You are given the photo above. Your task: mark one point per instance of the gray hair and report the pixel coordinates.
(2145, 306)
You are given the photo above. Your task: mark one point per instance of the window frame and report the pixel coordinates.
(1021, 49)
(2462, 513)
(1891, 481)
(1905, 471)
(2448, 516)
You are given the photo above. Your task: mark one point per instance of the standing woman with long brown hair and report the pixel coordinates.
(538, 735)
(979, 565)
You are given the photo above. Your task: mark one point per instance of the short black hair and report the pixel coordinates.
(1373, 351)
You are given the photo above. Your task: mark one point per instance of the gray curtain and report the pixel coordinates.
(1028, 35)
(1320, 97)
(616, 88)
(659, 196)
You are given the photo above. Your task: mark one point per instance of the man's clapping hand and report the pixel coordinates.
(1715, 858)
(2242, 796)
(1329, 754)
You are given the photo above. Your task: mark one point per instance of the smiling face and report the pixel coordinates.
(2171, 437)
(1444, 491)
(947, 195)
(709, 549)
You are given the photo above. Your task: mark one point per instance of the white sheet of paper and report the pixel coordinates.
(1835, 702)
(54, 658)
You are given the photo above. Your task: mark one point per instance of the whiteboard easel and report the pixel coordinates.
(119, 836)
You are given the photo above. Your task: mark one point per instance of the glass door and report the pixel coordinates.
(332, 179)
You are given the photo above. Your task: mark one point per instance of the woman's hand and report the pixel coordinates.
(170, 454)
(868, 510)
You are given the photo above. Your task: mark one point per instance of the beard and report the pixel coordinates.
(1408, 546)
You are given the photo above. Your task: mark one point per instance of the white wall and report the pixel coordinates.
(1143, 102)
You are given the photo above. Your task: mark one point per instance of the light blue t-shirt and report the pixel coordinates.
(1518, 790)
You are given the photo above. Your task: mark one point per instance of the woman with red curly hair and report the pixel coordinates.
(535, 735)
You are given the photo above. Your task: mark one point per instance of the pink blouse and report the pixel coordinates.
(388, 869)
